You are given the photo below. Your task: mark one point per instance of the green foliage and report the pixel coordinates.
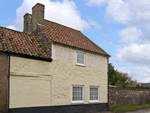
(130, 107)
(32, 39)
(2, 34)
(112, 75)
(10, 39)
(24, 51)
(137, 85)
(39, 54)
(118, 78)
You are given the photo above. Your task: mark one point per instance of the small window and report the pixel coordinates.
(77, 94)
(94, 94)
(80, 59)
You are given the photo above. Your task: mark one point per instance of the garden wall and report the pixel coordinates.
(128, 96)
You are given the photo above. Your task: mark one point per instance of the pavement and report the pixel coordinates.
(143, 110)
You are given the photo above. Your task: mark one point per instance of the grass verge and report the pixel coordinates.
(130, 107)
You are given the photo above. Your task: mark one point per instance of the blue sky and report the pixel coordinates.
(120, 27)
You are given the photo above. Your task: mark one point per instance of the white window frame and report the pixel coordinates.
(77, 58)
(80, 101)
(98, 94)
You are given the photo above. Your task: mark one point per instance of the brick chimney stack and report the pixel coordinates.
(27, 23)
(37, 17)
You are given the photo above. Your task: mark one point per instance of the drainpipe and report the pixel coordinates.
(108, 81)
(8, 79)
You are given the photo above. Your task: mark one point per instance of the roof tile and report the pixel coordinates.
(22, 43)
(65, 35)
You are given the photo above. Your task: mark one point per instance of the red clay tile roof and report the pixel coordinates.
(28, 44)
(65, 35)
(21, 43)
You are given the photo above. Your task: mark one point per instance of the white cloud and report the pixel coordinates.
(130, 34)
(130, 12)
(146, 80)
(118, 11)
(135, 15)
(140, 73)
(95, 24)
(133, 53)
(146, 36)
(108, 43)
(11, 27)
(64, 12)
(96, 2)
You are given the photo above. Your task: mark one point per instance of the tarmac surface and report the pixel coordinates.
(143, 110)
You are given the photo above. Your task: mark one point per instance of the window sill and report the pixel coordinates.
(83, 65)
(94, 101)
(77, 102)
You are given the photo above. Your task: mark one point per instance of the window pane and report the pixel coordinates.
(77, 93)
(80, 58)
(93, 93)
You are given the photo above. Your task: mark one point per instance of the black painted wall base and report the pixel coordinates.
(82, 108)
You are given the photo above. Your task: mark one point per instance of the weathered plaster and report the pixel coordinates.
(28, 67)
(29, 91)
(66, 73)
(63, 72)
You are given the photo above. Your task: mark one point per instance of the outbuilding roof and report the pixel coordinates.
(21, 43)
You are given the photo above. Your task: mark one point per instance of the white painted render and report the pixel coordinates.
(29, 91)
(62, 73)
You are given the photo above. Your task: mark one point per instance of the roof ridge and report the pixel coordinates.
(58, 23)
(62, 25)
(17, 31)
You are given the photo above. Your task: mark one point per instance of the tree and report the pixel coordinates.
(117, 78)
(113, 79)
(124, 79)
(137, 85)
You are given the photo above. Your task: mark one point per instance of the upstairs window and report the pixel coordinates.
(80, 59)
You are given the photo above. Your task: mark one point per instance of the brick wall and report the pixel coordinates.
(3, 82)
(128, 96)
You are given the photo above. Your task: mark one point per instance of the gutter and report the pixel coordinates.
(26, 56)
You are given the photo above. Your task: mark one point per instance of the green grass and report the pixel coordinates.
(130, 107)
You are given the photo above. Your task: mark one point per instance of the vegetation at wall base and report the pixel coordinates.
(129, 107)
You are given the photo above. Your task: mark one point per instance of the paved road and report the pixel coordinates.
(145, 110)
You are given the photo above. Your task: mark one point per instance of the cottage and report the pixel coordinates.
(51, 68)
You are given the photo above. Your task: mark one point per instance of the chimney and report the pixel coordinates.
(27, 23)
(37, 15)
